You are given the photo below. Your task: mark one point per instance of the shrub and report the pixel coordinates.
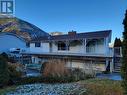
(124, 56)
(5, 56)
(79, 74)
(40, 79)
(4, 74)
(9, 73)
(55, 71)
(29, 80)
(14, 73)
(55, 68)
(63, 79)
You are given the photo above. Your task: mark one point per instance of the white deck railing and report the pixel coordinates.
(66, 53)
(117, 51)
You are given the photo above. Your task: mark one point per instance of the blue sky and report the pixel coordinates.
(78, 15)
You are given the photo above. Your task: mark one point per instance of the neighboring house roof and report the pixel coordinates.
(88, 35)
(12, 34)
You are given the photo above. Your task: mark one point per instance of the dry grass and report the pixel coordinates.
(55, 68)
(17, 66)
(103, 87)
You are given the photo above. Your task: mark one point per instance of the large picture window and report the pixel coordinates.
(62, 46)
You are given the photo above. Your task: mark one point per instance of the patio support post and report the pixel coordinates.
(67, 44)
(84, 45)
(111, 66)
(106, 64)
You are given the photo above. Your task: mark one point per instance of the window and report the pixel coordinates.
(27, 44)
(37, 44)
(100, 41)
(62, 46)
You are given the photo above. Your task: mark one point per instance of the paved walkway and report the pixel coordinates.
(113, 76)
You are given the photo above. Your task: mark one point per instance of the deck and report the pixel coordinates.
(75, 56)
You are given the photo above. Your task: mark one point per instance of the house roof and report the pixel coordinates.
(77, 36)
(97, 34)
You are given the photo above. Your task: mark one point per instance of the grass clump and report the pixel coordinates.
(5, 90)
(102, 87)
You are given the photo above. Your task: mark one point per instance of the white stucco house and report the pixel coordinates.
(79, 50)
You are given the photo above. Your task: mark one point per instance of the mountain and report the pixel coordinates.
(21, 28)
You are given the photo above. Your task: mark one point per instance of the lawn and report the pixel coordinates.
(102, 87)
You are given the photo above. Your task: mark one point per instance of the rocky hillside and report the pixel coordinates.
(22, 28)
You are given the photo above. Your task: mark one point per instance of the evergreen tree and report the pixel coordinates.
(4, 74)
(124, 58)
(117, 43)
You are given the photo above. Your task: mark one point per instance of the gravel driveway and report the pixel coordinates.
(48, 89)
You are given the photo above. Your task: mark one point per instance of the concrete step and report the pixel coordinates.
(117, 67)
(118, 64)
(117, 71)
